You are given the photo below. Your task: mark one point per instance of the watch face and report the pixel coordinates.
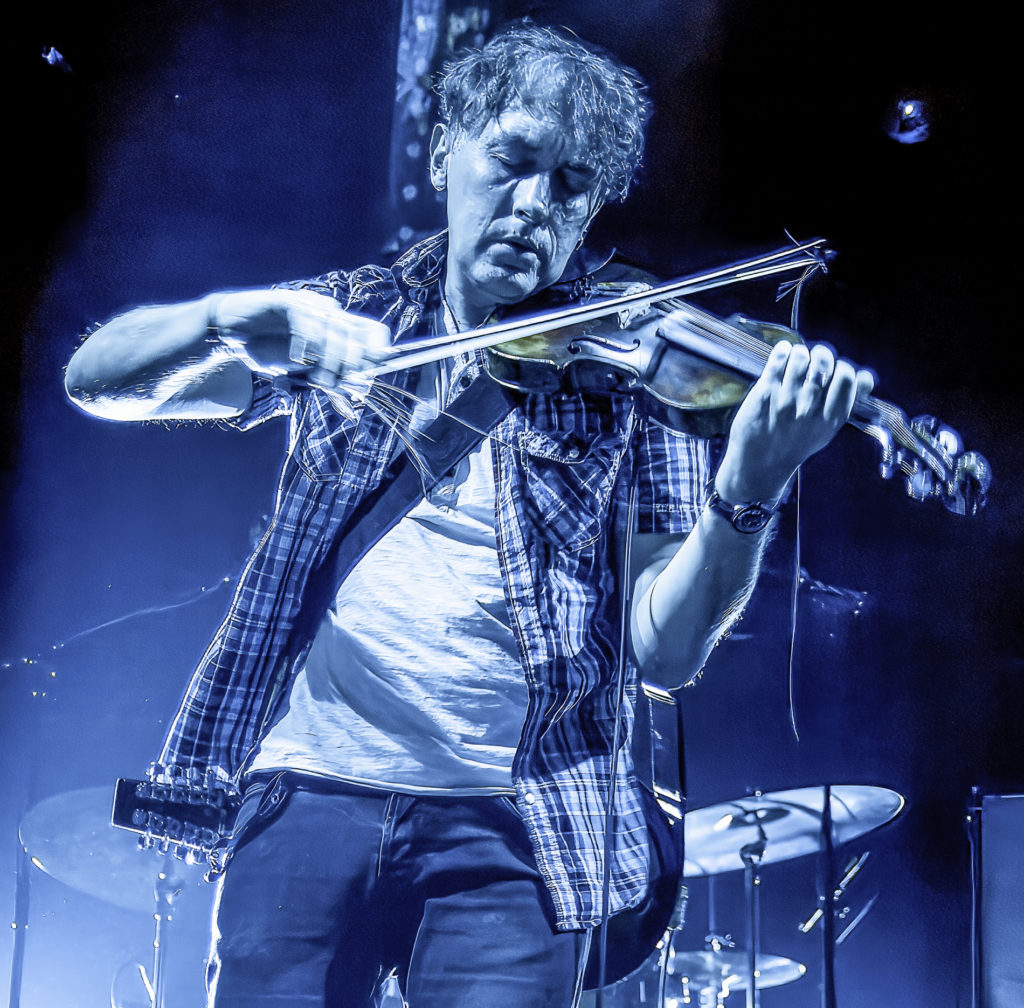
(752, 518)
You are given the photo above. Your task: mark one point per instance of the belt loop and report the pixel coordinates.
(276, 791)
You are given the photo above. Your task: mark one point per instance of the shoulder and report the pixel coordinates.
(348, 286)
(385, 292)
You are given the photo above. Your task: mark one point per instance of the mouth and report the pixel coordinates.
(520, 245)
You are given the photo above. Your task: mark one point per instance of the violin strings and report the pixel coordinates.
(891, 420)
(754, 349)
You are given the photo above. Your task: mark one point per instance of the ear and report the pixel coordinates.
(439, 157)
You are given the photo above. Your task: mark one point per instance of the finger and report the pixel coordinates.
(820, 368)
(761, 393)
(352, 342)
(862, 383)
(842, 393)
(335, 343)
(309, 346)
(796, 371)
(778, 357)
(317, 324)
(338, 354)
(373, 341)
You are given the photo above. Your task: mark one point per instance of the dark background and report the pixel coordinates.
(184, 147)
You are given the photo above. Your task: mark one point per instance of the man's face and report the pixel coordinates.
(519, 199)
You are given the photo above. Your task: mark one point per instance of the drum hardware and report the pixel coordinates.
(713, 974)
(752, 854)
(830, 893)
(70, 838)
(790, 821)
(703, 978)
(765, 828)
(852, 868)
(827, 901)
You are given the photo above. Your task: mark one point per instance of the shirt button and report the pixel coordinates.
(529, 797)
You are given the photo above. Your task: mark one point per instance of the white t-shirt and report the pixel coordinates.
(413, 682)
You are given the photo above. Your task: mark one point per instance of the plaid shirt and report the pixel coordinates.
(563, 468)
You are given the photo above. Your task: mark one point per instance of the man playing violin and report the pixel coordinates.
(427, 765)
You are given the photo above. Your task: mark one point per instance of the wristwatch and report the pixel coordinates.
(747, 518)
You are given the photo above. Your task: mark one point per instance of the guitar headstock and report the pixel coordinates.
(930, 456)
(176, 809)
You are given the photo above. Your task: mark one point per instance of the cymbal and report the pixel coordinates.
(788, 823)
(69, 836)
(716, 971)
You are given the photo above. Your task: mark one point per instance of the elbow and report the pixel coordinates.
(672, 656)
(87, 389)
(671, 672)
(84, 389)
(77, 384)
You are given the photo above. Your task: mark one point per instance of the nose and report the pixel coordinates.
(532, 197)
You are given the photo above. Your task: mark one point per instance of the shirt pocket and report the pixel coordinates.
(568, 478)
(323, 440)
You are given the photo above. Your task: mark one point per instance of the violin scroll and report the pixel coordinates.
(931, 458)
(966, 476)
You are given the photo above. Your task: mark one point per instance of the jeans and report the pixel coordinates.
(331, 889)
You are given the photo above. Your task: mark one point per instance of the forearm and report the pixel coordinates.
(158, 361)
(688, 594)
(681, 610)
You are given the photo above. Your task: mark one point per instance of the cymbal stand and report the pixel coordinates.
(168, 886)
(973, 824)
(751, 855)
(666, 958)
(19, 925)
(675, 924)
(826, 900)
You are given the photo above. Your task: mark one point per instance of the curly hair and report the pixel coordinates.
(602, 103)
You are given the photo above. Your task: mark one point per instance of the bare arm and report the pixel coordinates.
(196, 359)
(688, 591)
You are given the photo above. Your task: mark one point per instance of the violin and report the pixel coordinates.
(689, 369)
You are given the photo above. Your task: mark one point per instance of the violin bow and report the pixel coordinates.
(808, 255)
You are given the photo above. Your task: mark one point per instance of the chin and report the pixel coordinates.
(511, 287)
